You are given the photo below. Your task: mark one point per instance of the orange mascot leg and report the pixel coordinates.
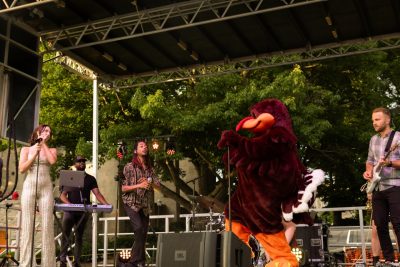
(240, 231)
(278, 249)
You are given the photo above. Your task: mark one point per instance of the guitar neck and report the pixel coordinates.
(390, 151)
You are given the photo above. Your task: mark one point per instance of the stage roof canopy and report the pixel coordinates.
(126, 38)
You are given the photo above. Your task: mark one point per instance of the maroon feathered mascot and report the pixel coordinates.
(273, 183)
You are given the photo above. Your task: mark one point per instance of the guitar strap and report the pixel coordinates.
(389, 142)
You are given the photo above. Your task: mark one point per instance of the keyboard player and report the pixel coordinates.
(77, 219)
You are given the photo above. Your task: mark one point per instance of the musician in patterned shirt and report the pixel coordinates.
(386, 197)
(137, 195)
(77, 219)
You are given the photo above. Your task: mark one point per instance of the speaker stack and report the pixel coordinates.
(310, 240)
(205, 249)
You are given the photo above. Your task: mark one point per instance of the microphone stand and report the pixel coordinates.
(34, 209)
(229, 191)
(193, 203)
(117, 213)
(121, 151)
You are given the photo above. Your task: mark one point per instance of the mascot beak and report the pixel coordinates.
(263, 122)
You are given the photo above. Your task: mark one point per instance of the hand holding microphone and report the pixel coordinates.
(37, 147)
(145, 183)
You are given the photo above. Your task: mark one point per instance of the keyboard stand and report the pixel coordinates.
(64, 235)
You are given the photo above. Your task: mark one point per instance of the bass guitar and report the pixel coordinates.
(376, 177)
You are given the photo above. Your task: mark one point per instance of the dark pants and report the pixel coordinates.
(385, 203)
(71, 219)
(140, 224)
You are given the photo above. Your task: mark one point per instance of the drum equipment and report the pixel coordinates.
(209, 203)
(216, 222)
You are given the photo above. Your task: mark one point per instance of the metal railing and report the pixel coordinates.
(211, 222)
(187, 218)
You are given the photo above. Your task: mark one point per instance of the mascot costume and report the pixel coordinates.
(273, 184)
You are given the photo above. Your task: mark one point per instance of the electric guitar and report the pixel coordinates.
(376, 177)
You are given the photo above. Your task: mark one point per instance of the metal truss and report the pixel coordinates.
(12, 5)
(165, 18)
(74, 66)
(298, 56)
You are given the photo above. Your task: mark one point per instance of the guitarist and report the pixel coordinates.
(386, 196)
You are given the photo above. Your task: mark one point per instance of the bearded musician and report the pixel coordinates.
(385, 157)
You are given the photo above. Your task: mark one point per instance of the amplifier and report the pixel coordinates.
(206, 249)
(186, 249)
(310, 240)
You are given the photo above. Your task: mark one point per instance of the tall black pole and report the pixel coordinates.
(34, 209)
(121, 151)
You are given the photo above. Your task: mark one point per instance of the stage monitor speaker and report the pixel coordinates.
(187, 249)
(309, 238)
(234, 253)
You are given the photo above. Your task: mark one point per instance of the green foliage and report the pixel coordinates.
(66, 105)
(3, 144)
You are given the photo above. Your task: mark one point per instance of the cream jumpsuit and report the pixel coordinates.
(45, 204)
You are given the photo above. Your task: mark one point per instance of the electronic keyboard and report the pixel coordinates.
(80, 207)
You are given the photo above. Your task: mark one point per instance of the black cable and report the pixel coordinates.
(4, 194)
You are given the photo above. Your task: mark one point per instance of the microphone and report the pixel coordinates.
(37, 141)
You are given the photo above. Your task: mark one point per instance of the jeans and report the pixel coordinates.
(385, 203)
(140, 224)
(71, 219)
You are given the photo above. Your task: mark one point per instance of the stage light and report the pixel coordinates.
(194, 55)
(122, 66)
(182, 45)
(108, 57)
(328, 20)
(155, 145)
(299, 253)
(170, 148)
(124, 255)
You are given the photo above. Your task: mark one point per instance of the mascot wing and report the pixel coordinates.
(306, 197)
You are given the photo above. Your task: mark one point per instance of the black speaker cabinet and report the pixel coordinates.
(187, 249)
(309, 238)
(234, 253)
(206, 249)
